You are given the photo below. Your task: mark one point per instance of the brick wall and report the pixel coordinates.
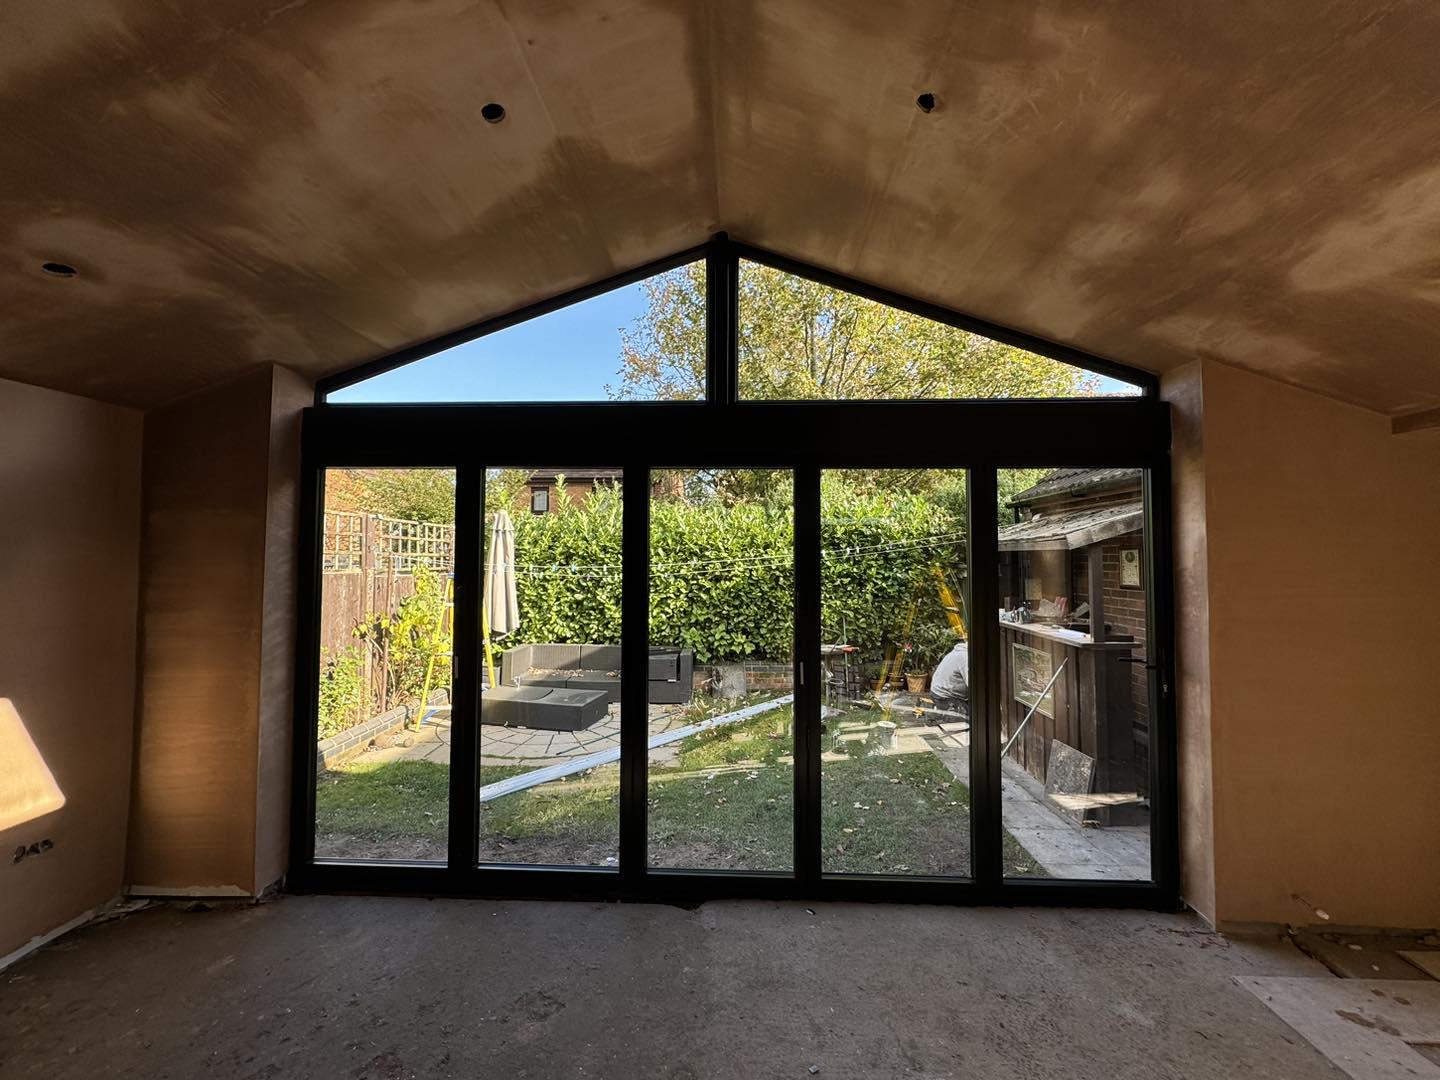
(1124, 614)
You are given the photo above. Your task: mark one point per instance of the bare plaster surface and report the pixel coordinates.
(310, 183)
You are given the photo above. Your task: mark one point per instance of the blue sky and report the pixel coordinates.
(568, 355)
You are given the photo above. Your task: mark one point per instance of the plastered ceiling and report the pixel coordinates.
(310, 182)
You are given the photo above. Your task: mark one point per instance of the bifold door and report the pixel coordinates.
(645, 678)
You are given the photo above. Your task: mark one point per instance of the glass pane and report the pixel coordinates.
(895, 743)
(1075, 779)
(722, 602)
(800, 339)
(550, 633)
(639, 342)
(383, 759)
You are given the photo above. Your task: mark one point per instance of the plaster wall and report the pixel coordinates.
(1316, 651)
(1183, 389)
(218, 602)
(70, 502)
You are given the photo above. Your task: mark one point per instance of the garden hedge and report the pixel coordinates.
(721, 574)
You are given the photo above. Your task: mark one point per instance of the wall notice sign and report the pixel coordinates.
(1130, 568)
(1030, 672)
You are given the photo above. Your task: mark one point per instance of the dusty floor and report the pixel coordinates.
(372, 988)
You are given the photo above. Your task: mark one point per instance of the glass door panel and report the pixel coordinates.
(1076, 713)
(896, 718)
(721, 789)
(386, 619)
(550, 667)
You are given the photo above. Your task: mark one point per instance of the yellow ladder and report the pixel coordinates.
(954, 613)
(446, 615)
(953, 609)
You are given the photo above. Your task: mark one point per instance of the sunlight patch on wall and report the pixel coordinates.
(27, 787)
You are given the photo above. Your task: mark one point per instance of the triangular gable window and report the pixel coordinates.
(801, 339)
(592, 350)
(798, 338)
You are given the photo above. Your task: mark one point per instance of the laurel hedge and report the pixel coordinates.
(722, 575)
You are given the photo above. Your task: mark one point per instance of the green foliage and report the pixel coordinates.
(721, 579)
(408, 494)
(505, 488)
(801, 340)
(722, 574)
(880, 547)
(416, 494)
(403, 642)
(343, 694)
(1009, 483)
(929, 642)
(418, 634)
(574, 593)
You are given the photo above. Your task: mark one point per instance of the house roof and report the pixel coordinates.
(1073, 529)
(311, 184)
(550, 472)
(1077, 482)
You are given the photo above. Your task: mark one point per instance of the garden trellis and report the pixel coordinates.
(351, 540)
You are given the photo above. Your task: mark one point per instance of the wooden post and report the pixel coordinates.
(1104, 729)
(1096, 566)
(367, 601)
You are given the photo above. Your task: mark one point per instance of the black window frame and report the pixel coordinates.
(975, 435)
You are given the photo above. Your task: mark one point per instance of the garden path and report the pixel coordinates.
(1065, 848)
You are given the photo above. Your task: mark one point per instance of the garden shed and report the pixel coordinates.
(1073, 596)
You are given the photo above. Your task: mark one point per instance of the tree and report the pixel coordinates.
(803, 340)
(408, 494)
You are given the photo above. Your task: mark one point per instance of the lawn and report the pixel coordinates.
(724, 801)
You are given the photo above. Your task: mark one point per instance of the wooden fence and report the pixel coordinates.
(368, 566)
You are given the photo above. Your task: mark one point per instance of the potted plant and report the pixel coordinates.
(927, 646)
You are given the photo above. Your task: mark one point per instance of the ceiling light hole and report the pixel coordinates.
(926, 102)
(59, 269)
(493, 113)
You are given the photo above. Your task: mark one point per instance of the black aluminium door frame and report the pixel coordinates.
(973, 436)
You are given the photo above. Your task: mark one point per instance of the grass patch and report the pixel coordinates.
(725, 801)
(574, 820)
(395, 800)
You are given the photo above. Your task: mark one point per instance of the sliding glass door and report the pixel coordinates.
(550, 632)
(720, 750)
(895, 755)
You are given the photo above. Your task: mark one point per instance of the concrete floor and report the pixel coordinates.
(383, 989)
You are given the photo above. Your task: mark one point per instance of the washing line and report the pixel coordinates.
(701, 566)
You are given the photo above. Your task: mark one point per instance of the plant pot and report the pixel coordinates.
(916, 683)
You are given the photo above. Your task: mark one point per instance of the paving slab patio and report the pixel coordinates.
(517, 746)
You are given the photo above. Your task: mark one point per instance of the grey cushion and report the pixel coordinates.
(596, 667)
(555, 657)
(542, 707)
(600, 657)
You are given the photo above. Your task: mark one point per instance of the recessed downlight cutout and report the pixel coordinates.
(59, 269)
(493, 112)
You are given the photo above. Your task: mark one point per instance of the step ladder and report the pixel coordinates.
(444, 632)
